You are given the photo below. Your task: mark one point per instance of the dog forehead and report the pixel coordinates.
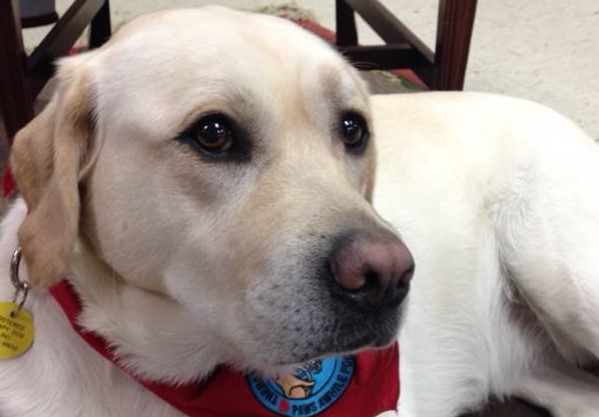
(160, 66)
(217, 37)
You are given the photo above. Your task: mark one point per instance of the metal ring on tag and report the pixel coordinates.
(14, 268)
(21, 287)
(24, 291)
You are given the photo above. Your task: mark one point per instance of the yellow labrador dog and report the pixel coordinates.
(204, 182)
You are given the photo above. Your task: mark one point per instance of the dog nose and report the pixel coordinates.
(371, 272)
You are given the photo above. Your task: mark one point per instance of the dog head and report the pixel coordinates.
(225, 161)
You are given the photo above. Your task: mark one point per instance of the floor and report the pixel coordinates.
(543, 50)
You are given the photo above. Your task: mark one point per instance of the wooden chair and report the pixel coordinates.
(22, 77)
(443, 69)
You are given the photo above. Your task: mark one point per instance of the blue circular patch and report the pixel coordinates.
(313, 387)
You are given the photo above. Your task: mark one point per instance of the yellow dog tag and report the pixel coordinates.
(16, 333)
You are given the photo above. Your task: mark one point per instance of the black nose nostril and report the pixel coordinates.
(371, 282)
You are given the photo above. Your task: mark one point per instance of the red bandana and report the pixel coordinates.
(364, 385)
(8, 183)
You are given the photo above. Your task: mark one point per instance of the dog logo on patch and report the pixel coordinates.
(311, 389)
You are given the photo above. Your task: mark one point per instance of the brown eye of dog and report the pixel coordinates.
(218, 138)
(353, 131)
(214, 134)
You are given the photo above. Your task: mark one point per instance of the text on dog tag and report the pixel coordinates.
(16, 333)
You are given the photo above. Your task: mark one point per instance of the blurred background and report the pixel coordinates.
(543, 50)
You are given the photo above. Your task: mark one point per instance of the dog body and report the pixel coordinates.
(496, 198)
(267, 252)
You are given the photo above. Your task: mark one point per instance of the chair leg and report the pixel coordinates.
(454, 32)
(15, 94)
(347, 35)
(100, 27)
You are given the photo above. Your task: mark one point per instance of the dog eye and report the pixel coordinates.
(353, 131)
(214, 134)
(217, 137)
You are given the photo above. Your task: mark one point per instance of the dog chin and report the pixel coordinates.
(344, 344)
(376, 331)
(366, 340)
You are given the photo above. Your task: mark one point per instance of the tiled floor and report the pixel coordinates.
(544, 50)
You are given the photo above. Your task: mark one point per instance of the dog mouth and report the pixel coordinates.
(376, 332)
(347, 336)
(349, 346)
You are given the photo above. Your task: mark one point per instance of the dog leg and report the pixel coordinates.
(571, 393)
(548, 235)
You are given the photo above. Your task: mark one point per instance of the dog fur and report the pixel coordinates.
(184, 264)
(496, 199)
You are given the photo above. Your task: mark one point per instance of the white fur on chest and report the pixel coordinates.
(61, 375)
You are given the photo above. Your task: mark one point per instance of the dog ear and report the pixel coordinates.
(46, 158)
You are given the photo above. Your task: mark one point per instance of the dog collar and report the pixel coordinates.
(364, 385)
